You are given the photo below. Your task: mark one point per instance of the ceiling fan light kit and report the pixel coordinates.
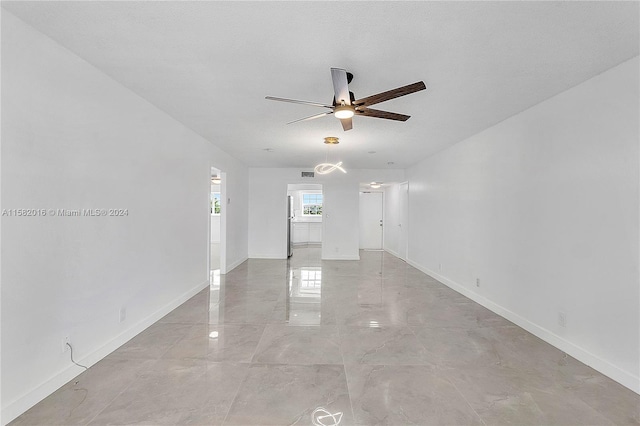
(344, 111)
(344, 105)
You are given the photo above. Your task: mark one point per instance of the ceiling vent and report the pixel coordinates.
(308, 174)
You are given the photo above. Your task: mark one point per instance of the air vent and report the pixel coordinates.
(308, 174)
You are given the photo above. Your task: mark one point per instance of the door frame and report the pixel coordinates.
(403, 216)
(382, 218)
(223, 222)
(302, 187)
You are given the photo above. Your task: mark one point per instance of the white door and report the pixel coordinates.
(371, 220)
(403, 214)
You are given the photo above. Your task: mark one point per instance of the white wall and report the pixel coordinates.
(267, 210)
(391, 219)
(235, 214)
(73, 138)
(543, 209)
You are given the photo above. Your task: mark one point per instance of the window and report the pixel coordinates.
(215, 203)
(311, 204)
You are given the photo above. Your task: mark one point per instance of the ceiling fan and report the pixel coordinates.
(345, 105)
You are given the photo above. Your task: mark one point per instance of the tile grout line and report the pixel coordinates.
(235, 396)
(251, 363)
(464, 398)
(122, 391)
(346, 377)
(156, 360)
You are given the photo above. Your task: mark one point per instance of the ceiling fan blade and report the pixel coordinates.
(313, 117)
(340, 86)
(368, 112)
(347, 123)
(390, 94)
(271, 98)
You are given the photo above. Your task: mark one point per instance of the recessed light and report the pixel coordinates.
(372, 152)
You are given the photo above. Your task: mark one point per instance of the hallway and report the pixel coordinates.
(376, 340)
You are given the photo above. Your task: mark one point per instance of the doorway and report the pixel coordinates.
(215, 218)
(371, 220)
(304, 218)
(403, 215)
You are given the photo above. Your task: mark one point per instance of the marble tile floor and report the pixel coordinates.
(375, 340)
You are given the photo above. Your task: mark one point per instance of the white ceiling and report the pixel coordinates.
(210, 65)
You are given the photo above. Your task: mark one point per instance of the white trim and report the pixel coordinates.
(224, 212)
(342, 258)
(37, 394)
(621, 376)
(235, 264)
(393, 253)
(267, 256)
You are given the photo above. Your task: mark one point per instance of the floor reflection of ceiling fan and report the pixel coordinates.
(345, 105)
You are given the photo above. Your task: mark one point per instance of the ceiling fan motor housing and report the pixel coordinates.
(344, 109)
(351, 95)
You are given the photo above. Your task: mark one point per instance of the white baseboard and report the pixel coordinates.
(235, 264)
(31, 398)
(267, 256)
(610, 370)
(393, 253)
(341, 258)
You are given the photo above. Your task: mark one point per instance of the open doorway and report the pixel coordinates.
(403, 215)
(371, 220)
(215, 210)
(304, 217)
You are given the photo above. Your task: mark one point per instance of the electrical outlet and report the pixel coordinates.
(562, 319)
(66, 341)
(477, 282)
(123, 314)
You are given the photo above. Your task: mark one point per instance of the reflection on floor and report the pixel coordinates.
(373, 341)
